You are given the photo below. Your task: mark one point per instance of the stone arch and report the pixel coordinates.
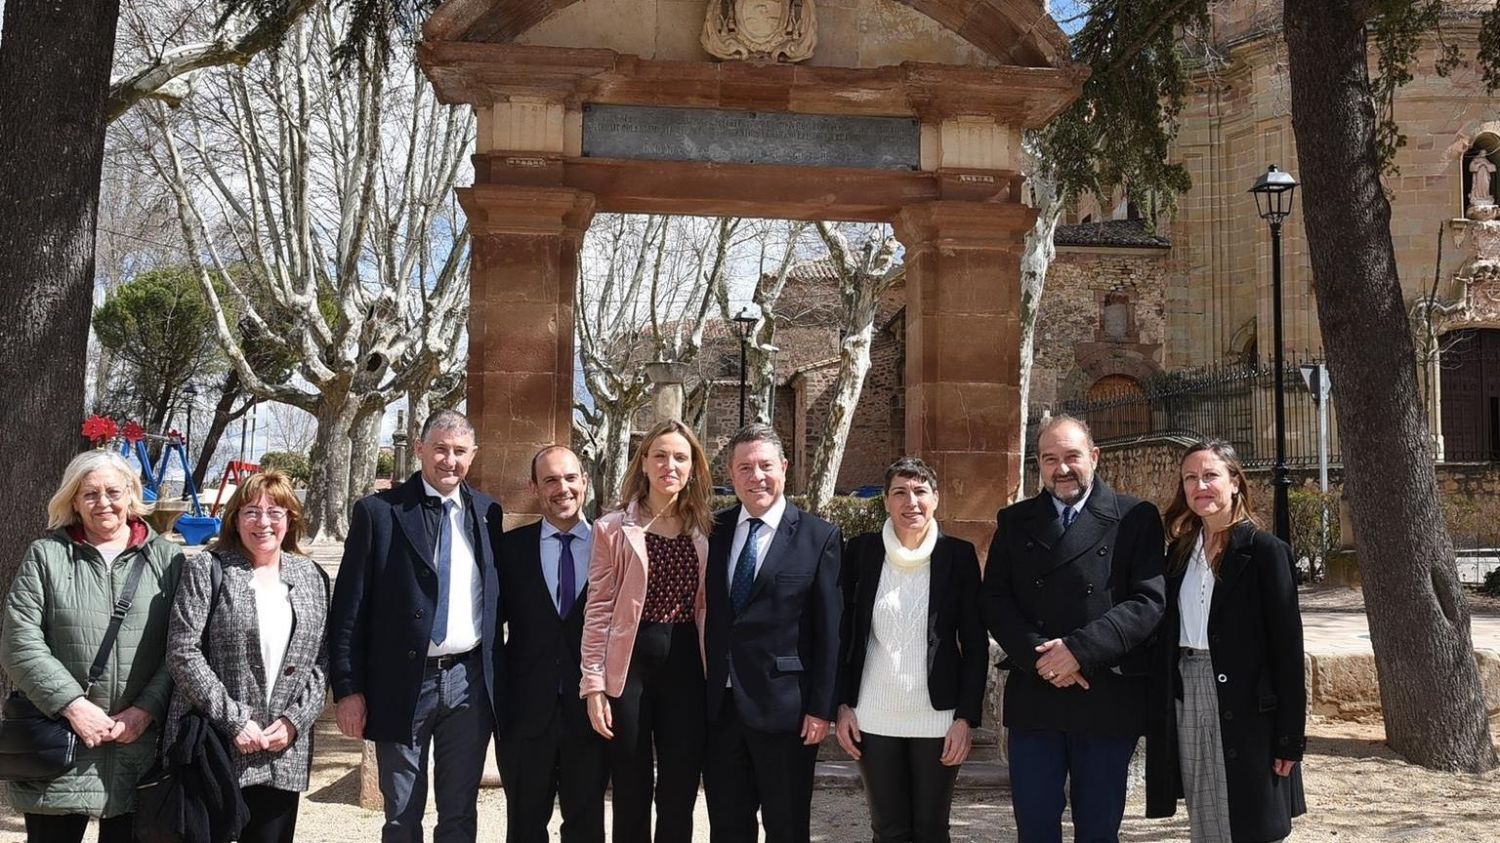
(1012, 32)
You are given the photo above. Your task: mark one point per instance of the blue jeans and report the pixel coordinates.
(1095, 768)
(453, 714)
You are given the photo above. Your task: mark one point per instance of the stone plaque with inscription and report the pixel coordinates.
(750, 137)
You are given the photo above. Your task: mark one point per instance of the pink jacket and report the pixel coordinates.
(617, 592)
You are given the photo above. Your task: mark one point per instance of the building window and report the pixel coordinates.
(1125, 411)
(1470, 411)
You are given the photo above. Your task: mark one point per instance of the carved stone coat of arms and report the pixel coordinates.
(768, 30)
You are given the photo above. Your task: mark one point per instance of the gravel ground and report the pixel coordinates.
(1357, 791)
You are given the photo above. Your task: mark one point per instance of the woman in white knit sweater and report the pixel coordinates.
(914, 659)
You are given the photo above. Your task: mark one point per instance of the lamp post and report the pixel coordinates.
(1273, 199)
(191, 393)
(743, 323)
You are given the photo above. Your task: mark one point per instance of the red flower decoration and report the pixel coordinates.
(99, 430)
(133, 432)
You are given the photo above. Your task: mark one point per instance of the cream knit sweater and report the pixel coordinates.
(893, 697)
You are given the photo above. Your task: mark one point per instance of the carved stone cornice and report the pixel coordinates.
(526, 210)
(483, 74)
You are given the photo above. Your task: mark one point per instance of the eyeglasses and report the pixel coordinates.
(275, 516)
(111, 495)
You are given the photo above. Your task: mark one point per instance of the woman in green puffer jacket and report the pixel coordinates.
(55, 617)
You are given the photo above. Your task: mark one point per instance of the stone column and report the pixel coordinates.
(667, 381)
(963, 276)
(522, 284)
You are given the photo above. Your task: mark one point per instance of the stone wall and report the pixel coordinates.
(877, 435)
(1148, 469)
(1103, 313)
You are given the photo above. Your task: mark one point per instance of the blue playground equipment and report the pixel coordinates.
(194, 527)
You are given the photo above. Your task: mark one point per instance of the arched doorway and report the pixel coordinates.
(1122, 408)
(1470, 409)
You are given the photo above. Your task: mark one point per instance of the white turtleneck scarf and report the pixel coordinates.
(893, 696)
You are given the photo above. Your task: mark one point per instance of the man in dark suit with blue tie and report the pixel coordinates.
(548, 750)
(1073, 590)
(415, 654)
(772, 645)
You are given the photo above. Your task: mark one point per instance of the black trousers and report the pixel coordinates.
(909, 790)
(747, 770)
(273, 815)
(660, 707)
(564, 762)
(69, 828)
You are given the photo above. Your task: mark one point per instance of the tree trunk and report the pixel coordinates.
(327, 507)
(54, 72)
(224, 415)
(614, 456)
(1035, 261)
(1430, 693)
(854, 364)
(364, 443)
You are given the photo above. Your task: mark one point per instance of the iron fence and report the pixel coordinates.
(1233, 401)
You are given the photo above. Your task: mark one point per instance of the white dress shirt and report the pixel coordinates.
(763, 536)
(1195, 599)
(1076, 507)
(552, 556)
(463, 573)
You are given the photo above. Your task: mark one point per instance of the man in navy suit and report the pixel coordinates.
(414, 650)
(1073, 589)
(772, 645)
(548, 750)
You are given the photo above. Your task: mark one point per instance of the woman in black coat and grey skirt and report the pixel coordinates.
(1229, 707)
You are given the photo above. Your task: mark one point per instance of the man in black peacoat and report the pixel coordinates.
(547, 748)
(1073, 590)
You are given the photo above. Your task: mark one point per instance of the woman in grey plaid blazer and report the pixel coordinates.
(252, 658)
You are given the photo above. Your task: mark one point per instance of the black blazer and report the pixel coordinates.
(541, 649)
(383, 602)
(957, 645)
(1255, 641)
(782, 651)
(1098, 587)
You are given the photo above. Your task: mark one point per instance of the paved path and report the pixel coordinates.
(1342, 633)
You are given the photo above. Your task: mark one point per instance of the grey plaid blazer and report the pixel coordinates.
(225, 677)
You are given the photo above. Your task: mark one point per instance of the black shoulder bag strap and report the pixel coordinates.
(117, 617)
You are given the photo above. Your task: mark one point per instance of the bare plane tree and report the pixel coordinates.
(778, 243)
(646, 288)
(334, 195)
(865, 273)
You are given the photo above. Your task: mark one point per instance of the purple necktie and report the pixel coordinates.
(567, 579)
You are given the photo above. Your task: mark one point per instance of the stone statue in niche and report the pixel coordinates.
(765, 30)
(1481, 194)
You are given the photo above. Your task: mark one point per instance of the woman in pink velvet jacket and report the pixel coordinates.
(642, 654)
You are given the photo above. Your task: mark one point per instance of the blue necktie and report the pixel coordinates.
(1068, 515)
(744, 569)
(567, 579)
(444, 557)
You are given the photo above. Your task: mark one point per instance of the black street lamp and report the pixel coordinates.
(190, 392)
(743, 323)
(1273, 199)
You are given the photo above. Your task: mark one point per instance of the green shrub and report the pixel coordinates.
(385, 463)
(1491, 583)
(851, 515)
(297, 466)
(1307, 538)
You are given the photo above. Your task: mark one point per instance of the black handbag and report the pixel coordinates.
(35, 747)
